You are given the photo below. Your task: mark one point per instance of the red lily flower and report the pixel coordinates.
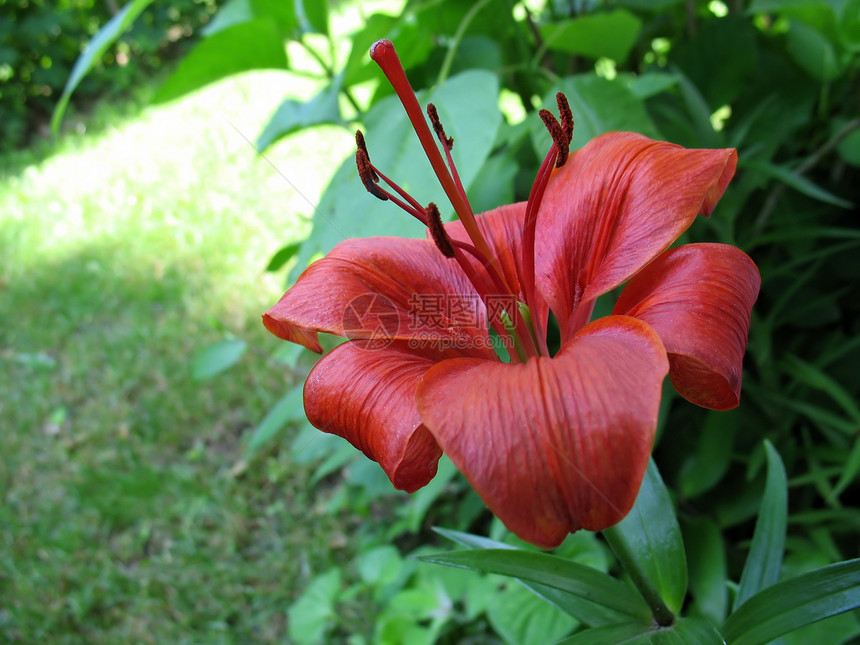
(552, 443)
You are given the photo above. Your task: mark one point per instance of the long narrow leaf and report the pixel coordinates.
(552, 571)
(586, 611)
(683, 632)
(798, 182)
(97, 46)
(765, 558)
(791, 604)
(653, 537)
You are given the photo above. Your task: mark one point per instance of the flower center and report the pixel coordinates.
(525, 330)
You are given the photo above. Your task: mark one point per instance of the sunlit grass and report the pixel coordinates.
(121, 255)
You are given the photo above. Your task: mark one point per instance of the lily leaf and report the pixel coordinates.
(791, 604)
(558, 573)
(585, 610)
(765, 558)
(682, 632)
(797, 182)
(97, 46)
(653, 537)
(216, 358)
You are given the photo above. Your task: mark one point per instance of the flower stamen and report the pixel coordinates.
(437, 231)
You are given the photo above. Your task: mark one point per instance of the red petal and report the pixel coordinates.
(698, 298)
(613, 207)
(367, 396)
(556, 444)
(382, 289)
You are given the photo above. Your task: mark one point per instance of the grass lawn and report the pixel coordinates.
(122, 254)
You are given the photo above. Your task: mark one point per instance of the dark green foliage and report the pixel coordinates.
(40, 40)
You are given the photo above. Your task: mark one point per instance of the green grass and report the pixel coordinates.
(122, 255)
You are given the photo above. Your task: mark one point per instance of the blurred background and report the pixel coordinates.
(159, 189)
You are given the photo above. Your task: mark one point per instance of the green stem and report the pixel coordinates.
(618, 543)
(455, 43)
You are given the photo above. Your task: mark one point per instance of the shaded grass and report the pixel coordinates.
(121, 256)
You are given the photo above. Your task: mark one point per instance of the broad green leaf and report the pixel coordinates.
(849, 147)
(293, 115)
(797, 182)
(313, 15)
(249, 45)
(610, 35)
(598, 106)
(551, 571)
(280, 12)
(231, 13)
(765, 557)
(288, 409)
(788, 605)
(653, 538)
(585, 610)
(706, 559)
(308, 618)
(650, 84)
(522, 618)
(380, 566)
(686, 631)
(97, 46)
(468, 108)
(705, 467)
(216, 358)
(813, 52)
(422, 499)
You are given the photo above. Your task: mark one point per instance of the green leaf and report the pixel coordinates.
(249, 45)
(653, 538)
(686, 631)
(610, 35)
(598, 106)
(97, 46)
(765, 557)
(813, 52)
(551, 571)
(797, 182)
(522, 618)
(309, 616)
(231, 13)
(280, 12)
(706, 558)
(283, 255)
(584, 610)
(705, 467)
(313, 15)
(292, 115)
(288, 409)
(216, 358)
(813, 377)
(468, 108)
(788, 605)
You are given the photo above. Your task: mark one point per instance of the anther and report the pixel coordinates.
(366, 173)
(566, 116)
(361, 145)
(437, 126)
(437, 230)
(558, 136)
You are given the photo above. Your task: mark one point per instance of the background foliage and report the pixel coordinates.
(778, 81)
(40, 40)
